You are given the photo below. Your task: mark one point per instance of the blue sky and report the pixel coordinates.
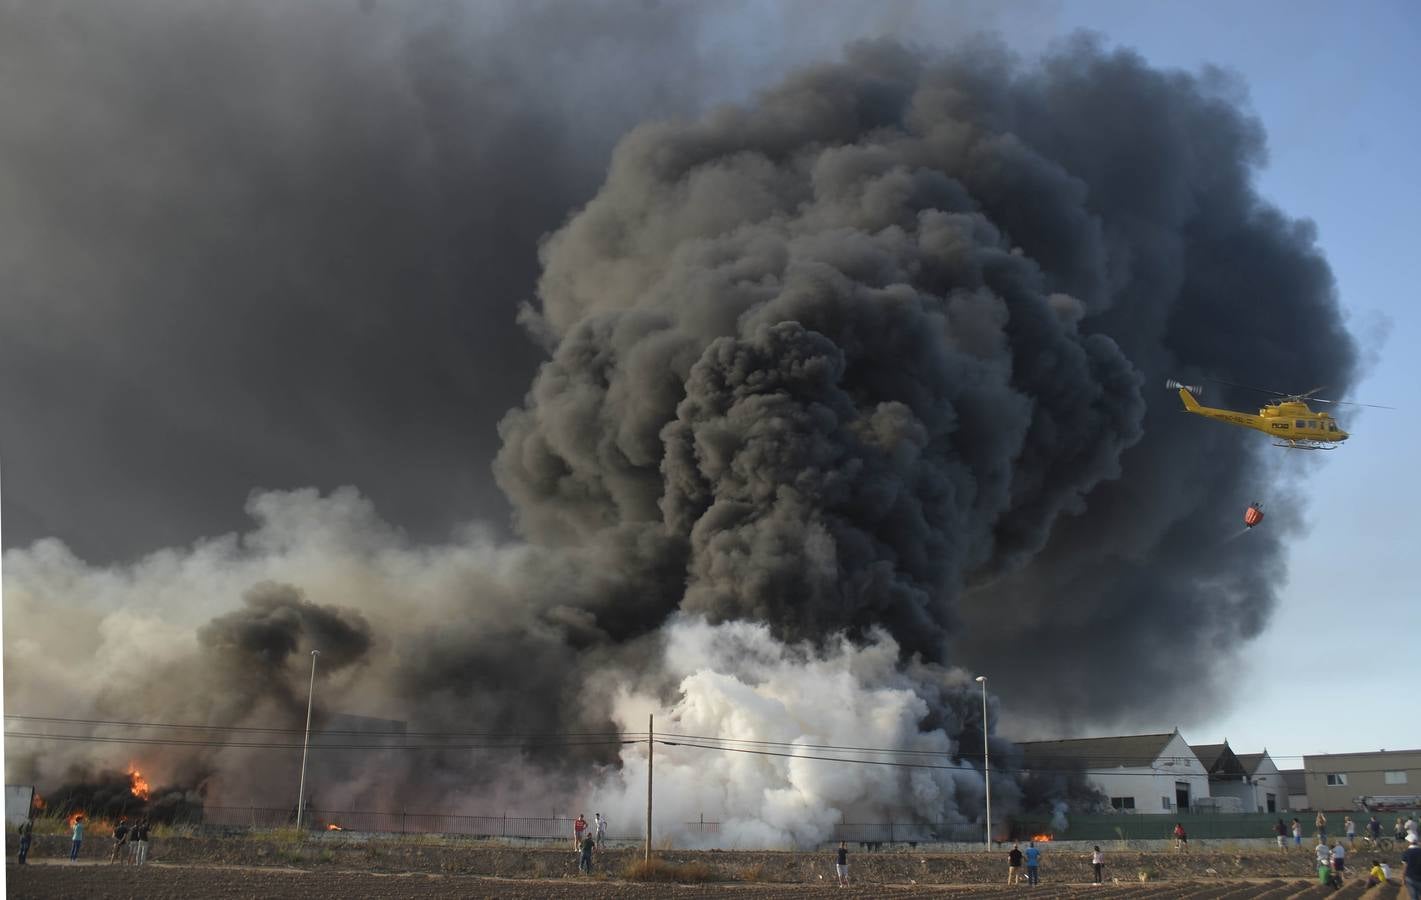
(1334, 87)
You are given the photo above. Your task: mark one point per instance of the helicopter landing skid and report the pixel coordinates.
(1305, 445)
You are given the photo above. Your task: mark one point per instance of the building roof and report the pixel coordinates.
(1218, 759)
(1295, 781)
(1251, 761)
(1133, 751)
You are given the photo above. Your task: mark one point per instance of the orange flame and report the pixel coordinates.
(1041, 837)
(138, 785)
(334, 827)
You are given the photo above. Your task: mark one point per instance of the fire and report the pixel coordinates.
(138, 785)
(1041, 837)
(334, 827)
(74, 817)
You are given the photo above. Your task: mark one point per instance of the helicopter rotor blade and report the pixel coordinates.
(1352, 403)
(1247, 387)
(1307, 396)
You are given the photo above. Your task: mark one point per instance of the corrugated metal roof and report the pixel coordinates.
(1134, 750)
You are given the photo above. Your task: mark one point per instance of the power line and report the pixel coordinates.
(270, 745)
(358, 732)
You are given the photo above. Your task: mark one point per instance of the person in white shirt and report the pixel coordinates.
(1339, 859)
(601, 832)
(1097, 862)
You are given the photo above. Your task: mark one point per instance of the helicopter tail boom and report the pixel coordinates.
(1189, 402)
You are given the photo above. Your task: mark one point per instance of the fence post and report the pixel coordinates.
(403, 814)
(504, 833)
(890, 829)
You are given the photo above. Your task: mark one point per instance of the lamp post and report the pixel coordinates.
(305, 744)
(986, 761)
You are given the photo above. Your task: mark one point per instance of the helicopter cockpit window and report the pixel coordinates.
(1300, 424)
(1331, 426)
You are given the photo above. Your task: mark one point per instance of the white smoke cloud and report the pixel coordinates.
(737, 682)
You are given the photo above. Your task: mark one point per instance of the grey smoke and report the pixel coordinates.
(874, 355)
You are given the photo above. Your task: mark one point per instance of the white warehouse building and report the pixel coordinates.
(1140, 773)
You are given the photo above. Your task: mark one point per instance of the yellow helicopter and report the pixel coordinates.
(1288, 419)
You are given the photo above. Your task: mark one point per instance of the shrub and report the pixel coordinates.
(661, 870)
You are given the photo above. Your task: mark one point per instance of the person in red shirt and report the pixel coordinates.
(579, 825)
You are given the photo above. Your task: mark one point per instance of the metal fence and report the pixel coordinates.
(1099, 827)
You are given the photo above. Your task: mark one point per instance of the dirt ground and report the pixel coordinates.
(356, 866)
(59, 879)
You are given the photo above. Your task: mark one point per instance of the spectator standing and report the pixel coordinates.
(120, 840)
(1400, 830)
(1014, 865)
(841, 865)
(1297, 832)
(1411, 859)
(27, 829)
(1323, 853)
(1181, 838)
(1339, 859)
(601, 829)
(1033, 864)
(1321, 822)
(76, 838)
(1281, 830)
(139, 840)
(1097, 862)
(579, 825)
(1349, 828)
(1374, 827)
(584, 864)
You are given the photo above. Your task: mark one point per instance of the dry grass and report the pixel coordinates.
(755, 873)
(661, 870)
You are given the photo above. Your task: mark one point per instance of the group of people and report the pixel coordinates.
(1349, 831)
(1032, 857)
(585, 840)
(132, 838)
(130, 842)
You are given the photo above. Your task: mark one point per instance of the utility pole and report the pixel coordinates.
(986, 761)
(650, 741)
(305, 744)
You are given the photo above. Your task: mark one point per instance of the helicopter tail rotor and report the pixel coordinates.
(1195, 389)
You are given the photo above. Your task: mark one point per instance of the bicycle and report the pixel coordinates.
(1376, 845)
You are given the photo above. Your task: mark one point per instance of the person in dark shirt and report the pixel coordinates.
(1014, 865)
(1411, 876)
(120, 839)
(27, 829)
(584, 864)
(138, 839)
(842, 865)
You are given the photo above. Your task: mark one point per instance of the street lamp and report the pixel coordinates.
(986, 761)
(305, 744)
